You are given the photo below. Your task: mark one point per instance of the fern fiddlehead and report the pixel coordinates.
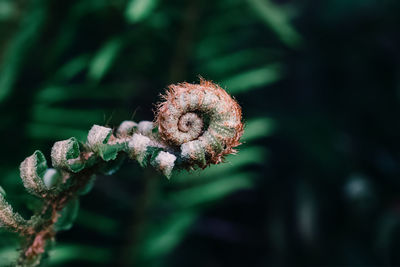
(202, 119)
(195, 125)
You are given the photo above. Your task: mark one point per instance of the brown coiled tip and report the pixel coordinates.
(203, 120)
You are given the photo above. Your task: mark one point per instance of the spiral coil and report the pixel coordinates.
(202, 119)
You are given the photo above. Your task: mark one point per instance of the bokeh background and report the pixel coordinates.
(316, 181)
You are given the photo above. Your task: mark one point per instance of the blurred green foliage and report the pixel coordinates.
(316, 181)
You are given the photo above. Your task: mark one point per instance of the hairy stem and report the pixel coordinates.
(42, 231)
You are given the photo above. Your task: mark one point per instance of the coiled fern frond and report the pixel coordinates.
(196, 125)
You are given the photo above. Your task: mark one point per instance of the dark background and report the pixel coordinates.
(316, 181)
